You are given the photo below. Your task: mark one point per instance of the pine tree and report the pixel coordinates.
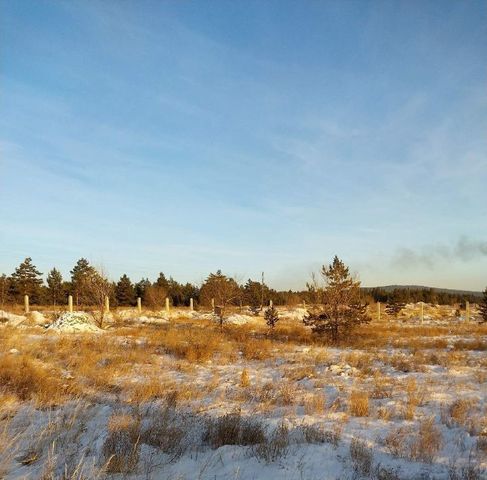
(271, 317)
(55, 286)
(224, 290)
(27, 280)
(483, 307)
(124, 291)
(80, 274)
(141, 287)
(342, 307)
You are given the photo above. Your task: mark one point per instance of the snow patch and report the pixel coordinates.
(75, 322)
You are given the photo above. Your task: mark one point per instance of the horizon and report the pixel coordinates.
(247, 137)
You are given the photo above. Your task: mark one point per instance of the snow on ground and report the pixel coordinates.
(11, 318)
(299, 394)
(75, 322)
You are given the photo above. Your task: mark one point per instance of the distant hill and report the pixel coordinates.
(390, 288)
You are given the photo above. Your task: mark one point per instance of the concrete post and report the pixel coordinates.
(26, 303)
(378, 311)
(107, 304)
(270, 303)
(213, 304)
(467, 311)
(191, 305)
(167, 304)
(139, 304)
(70, 303)
(304, 304)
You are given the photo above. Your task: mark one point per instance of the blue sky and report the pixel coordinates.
(249, 136)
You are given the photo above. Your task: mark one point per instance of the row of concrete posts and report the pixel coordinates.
(139, 304)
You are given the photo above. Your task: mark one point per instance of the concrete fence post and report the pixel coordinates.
(270, 303)
(167, 304)
(70, 303)
(213, 304)
(139, 304)
(191, 305)
(26, 303)
(304, 304)
(107, 304)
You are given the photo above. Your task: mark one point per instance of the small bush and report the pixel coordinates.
(121, 447)
(232, 429)
(362, 457)
(274, 448)
(359, 403)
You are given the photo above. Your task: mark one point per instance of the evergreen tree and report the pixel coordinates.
(483, 307)
(255, 294)
(141, 287)
(162, 282)
(55, 286)
(124, 291)
(342, 307)
(271, 317)
(27, 280)
(80, 275)
(224, 290)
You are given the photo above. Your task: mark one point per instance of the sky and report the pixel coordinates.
(246, 136)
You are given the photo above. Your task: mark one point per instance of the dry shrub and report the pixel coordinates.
(253, 349)
(359, 403)
(232, 429)
(314, 403)
(29, 380)
(296, 374)
(275, 447)
(421, 444)
(362, 457)
(460, 412)
(122, 445)
(382, 386)
(167, 430)
(362, 361)
(286, 393)
(475, 344)
(414, 398)
(427, 442)
(245, 378)
(317, 434)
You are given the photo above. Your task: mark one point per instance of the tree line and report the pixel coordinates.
(86, 284)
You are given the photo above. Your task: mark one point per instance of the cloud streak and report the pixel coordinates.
(465, 250)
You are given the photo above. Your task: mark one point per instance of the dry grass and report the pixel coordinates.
(122, 445)
(359, 403)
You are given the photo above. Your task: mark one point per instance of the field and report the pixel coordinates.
(170, 396)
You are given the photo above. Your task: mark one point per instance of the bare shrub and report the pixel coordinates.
(166, 430)
(427, 442)
(314, 404)
(121, 447)
(275, 447)
(359, 403)
(362, 457)
(232, 429)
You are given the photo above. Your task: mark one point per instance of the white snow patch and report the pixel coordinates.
(75, 322)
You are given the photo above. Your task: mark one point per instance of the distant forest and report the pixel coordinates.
(27, 280)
